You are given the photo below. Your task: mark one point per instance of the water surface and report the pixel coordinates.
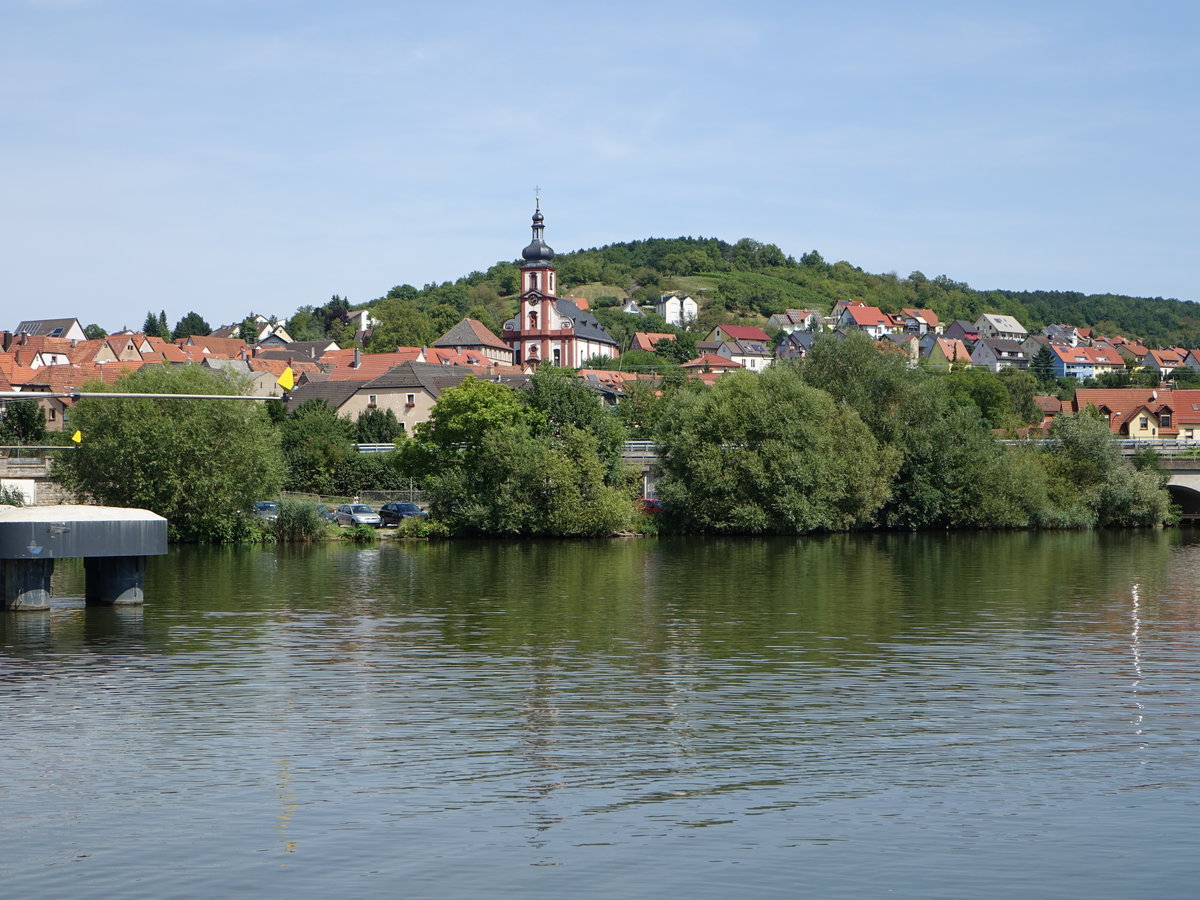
(921, 716)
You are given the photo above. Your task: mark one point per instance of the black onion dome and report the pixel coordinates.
(538, 250)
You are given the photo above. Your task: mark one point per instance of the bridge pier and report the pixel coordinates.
(114, 580)
(25, 583)
(113, 543)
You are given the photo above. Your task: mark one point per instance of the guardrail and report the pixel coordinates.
(649, 449)
(1128, 446)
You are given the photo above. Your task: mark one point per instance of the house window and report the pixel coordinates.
(51, 414)
(1144, 422)
(410, 399)
(1164, 420)
(372, 399)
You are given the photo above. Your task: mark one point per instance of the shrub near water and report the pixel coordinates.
(298, 522)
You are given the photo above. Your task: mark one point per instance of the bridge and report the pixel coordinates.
(1180, 458)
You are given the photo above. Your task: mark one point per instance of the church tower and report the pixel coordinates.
(548, 328)
(538, 329)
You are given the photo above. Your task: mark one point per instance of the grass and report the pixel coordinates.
(595, 289)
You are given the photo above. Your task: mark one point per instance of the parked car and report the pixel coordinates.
(356, 514)
(324, 512)
(651, 504)
(268, 509)
(392, 513)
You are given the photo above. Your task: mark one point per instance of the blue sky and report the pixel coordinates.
(228, 156)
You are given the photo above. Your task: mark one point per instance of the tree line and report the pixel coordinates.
(848, 438)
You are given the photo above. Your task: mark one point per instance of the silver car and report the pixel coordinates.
(356, 514)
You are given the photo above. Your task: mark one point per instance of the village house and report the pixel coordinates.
(1165, 361)
(1145, 414)
(471, 334)
(676, 309)
(962, 330)
(791, 320)
(1064, 334)
(711, 362)
(736, 333)
(1084, 362)
(752, 355)
(997, 354)
(947, 354)
(996, 326)
(795, 346)
(645, 340)
(868, 319)
(67, 329)
(919, 321)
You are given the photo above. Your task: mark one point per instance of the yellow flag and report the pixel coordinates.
(77, 437)
(287, 380)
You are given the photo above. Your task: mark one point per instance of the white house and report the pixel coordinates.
(678, 309)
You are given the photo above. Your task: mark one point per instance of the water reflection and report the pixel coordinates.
(939, 704)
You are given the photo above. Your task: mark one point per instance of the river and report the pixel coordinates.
(958, 716)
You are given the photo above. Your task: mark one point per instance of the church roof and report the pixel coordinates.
(586, 325)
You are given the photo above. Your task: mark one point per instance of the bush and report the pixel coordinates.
(420, 527)
(11, 496)
(299, 522)
(361, 534)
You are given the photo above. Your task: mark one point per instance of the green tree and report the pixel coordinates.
(192, 323)
(492, 464)
(1086, 455)
(1042, 367)
(854, 372)
(563, 400)
(23, 422)
(94, 332)
(378, 426)
(150, 327)
(162, 454)
(769, 453)
(316, 443)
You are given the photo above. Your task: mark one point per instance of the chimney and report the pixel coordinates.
(357, 359)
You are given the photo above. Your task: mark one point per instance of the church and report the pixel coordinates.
(549, 328)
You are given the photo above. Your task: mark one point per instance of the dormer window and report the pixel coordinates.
(1164, 420)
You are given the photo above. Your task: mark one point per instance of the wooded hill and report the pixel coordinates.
(746, 282)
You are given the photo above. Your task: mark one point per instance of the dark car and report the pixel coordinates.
(651, 504)
(325, 512)
(268, 509)
(392, 513)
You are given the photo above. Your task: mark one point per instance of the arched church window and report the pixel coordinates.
(532, 321)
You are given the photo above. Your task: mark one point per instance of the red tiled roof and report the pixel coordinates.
(928, 315)
(228, 348)
(867, 316)
(712, 361)
(745, 332)
(370, 365)
(645, 340)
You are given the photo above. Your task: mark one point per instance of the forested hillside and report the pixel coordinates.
(746, 282)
